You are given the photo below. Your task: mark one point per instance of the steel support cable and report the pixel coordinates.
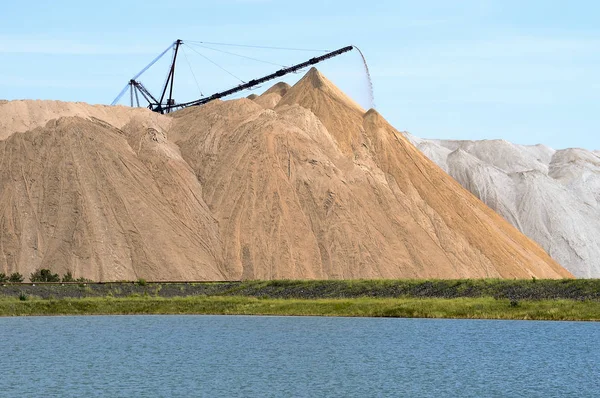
(155, 60)
(239, 55)
(250, 46)
(214, 63)
(142, 71)
(191, 70)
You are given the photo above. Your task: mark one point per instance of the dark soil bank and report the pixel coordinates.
(587, 289)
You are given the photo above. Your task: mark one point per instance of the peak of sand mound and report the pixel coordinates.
(313, 188)
(315, 90)
(280, 88)
(270, 98)
(341, 115)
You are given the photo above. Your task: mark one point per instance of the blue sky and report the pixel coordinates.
(526, 71)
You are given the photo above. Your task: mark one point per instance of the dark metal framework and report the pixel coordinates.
(160, 106)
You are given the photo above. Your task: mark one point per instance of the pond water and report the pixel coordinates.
(226, 356)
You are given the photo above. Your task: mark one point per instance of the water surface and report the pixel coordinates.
(225, 356)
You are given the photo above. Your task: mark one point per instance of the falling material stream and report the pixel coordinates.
(371, 93)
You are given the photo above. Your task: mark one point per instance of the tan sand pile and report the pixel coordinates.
(302, 185)
(75, 196)
(22, 115)
(270, 98)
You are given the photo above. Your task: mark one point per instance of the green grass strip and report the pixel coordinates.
(464, 308)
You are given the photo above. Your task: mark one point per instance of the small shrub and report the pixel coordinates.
(44, 275)
(514, 303)
(15, 277)
(116, 291)
(142, 282)
(23, 296)
(68, 277)
(3, 277)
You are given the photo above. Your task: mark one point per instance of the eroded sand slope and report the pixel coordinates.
(75, 196)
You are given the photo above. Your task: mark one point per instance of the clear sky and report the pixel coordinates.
(523, 70)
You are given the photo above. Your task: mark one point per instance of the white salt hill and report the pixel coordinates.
(551, 196)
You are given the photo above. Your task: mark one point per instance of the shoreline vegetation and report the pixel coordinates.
(575, 300)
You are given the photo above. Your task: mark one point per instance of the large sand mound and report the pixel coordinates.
(302, 185)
